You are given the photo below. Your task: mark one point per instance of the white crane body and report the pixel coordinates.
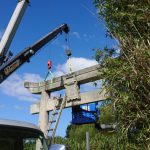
(12, 27)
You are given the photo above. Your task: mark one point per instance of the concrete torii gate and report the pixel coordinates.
(71, 83)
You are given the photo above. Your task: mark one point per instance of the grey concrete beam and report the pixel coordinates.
(87, 97)
(86, 75)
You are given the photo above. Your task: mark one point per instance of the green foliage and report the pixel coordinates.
(76, 138)
(107, 113)
(127, 76)
(29, 145)
(125, 17)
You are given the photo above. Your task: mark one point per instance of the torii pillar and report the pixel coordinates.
(43, 114)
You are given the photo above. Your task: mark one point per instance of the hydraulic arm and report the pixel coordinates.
(10, 66)
(12, 28)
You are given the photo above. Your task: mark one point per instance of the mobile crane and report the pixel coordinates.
(12, 131)
(12, 28)
(7, 65)
(13, 64)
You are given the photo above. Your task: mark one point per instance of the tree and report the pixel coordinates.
(76, 138)
(126, 70)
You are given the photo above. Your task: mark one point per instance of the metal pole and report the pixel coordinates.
(87, 141)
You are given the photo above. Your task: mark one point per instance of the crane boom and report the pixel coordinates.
(10, 66)
(12, 28)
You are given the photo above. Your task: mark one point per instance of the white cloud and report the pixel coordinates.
(76, 34)
(85, 37)
(18, 107)
(14, 86)
(88, 36)
(32, 77)
(76, 63)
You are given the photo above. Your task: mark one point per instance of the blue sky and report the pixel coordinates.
(86, 32)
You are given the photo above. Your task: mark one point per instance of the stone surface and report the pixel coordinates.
(87, 97)
(83, 76)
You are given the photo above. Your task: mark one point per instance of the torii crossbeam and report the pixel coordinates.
(71, 83)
